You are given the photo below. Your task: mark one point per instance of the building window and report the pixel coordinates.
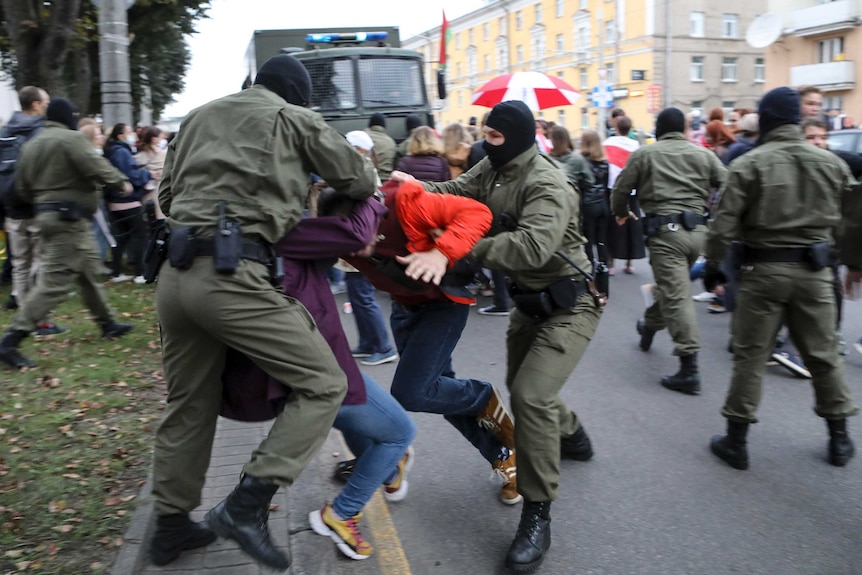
(830, 50)
(728, 69)
(457, 41)
(585, 118)
(696, 70)
(697, 106)
(519, 54)
(611, 74)
(502, 23)
(560, 42)
(471, 61)
(728, 106)
(486, 31)
(729, 25)
(610, 32)
(538, 13)
(759, 70)
(561, 8)
(584, 37)
(584, 4)
(458, 70)
(470, 33)
(696, 28)
(584, 79)
(519, 20)
(561, 118)
(460, 99)
(487, 62)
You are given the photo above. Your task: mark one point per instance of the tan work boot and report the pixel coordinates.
(496, 417)
(507, 471)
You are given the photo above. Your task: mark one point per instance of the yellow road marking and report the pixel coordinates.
(387, 545)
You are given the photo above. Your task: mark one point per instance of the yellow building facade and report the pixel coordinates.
(579, 41)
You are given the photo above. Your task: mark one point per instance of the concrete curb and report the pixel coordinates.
(311, 554)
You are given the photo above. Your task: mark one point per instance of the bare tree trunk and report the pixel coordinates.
(83, 80)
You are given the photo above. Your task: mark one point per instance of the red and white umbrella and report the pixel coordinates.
(539, 91)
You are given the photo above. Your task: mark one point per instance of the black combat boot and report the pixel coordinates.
(646, 334)
(576, 446)
(9, 353)
(731, 447)
(176, 533)
(243, 516)
(114, 329)
(841, 447)
(532, 539)
(687, 379)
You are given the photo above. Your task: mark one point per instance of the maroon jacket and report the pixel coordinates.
(425, 168)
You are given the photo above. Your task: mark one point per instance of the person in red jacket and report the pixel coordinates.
(428, 317)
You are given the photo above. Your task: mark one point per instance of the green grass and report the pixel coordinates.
(76, 437)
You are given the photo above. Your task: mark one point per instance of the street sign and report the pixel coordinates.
(603, 98)
(653, 93)
(638, 75)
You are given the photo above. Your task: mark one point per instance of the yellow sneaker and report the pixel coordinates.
(396, 490)
(506, 470)
(496, 418)
(344, 532)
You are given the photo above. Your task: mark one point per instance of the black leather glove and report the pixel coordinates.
(713, 276)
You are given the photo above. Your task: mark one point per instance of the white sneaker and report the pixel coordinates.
(139, 280)
(704, 296)
(120, 278)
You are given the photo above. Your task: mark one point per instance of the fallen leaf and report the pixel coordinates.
(63, 528)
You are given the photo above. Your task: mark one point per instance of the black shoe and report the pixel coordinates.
(687, 379)
(532, 539)
(576, 446)
(114, 329)
(841, 448)
(731, 448)
(11, 303)
(177, 533)
(646, 334)
(243, 516)
(343, 470)
(49, 329)
(9, 353)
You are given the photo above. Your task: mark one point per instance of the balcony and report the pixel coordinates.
(826, 18)
(829, 77)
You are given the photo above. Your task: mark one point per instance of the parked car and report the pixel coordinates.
(846, 141)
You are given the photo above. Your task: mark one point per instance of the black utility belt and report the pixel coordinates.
(68, 210)
(688, 220)
(562, 294)
(226, 251)
(817, 256)
(249, 250)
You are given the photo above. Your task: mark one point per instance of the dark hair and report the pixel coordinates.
(804, 90)
(617, 112)
(148, 137)
(624, 126)
(29, 95)
(561, 140)
(114, 136)
(814, 123)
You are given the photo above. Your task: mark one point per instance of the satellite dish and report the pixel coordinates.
(764, 30)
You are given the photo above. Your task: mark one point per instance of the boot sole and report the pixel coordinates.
(225, 532)
(526, 567)
(318, 526)
(161, 558)
(685, 390)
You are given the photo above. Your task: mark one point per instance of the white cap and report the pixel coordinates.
(360, 139)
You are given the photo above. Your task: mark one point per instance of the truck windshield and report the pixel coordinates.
(332, 85)
(387, 82)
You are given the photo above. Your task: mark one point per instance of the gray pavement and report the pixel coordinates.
(654, 501)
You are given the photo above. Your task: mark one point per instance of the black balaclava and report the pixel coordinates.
(779, 107)
(287, 77)
(669, 120)
(63, 111)
(412, 121)
(515, 121)
(377, 119)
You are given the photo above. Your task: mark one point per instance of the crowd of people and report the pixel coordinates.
(512, 197)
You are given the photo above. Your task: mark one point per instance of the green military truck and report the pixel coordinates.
(355, 72)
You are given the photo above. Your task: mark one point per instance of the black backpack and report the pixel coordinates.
(597, 193)
(10, 149)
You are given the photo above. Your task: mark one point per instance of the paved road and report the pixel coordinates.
(654, 500)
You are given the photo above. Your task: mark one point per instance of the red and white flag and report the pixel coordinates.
(618, 149)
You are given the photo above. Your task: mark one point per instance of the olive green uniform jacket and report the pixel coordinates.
(385, 149)
(541, 353)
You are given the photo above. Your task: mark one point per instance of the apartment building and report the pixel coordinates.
(820, 45)
(653, 53)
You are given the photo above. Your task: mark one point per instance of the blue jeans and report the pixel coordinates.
(370, 324)
(424, 380)
(378, 433)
